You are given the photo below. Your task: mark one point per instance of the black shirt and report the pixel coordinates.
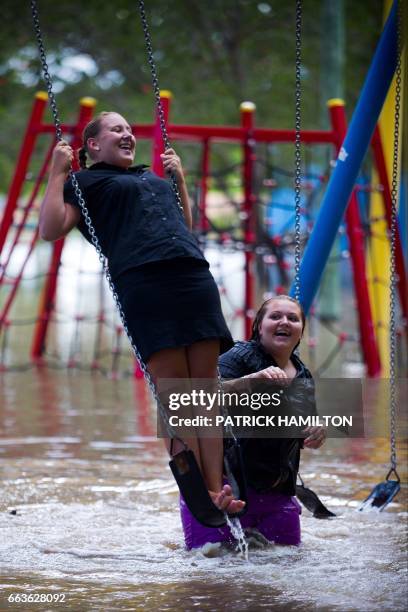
(270, 464)
(135, 216)
(249, 357)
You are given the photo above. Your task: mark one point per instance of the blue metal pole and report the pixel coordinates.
(349, 160)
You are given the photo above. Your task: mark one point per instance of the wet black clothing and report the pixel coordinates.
(135, 215)
(172, 303)
(250, 357)
(165, 288)
(271, 464)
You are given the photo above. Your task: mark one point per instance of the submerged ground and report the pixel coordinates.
(88, 510)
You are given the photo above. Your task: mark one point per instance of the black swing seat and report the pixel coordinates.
(194, 490)
(312, 502)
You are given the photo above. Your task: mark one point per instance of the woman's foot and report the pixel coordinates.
(225, 501)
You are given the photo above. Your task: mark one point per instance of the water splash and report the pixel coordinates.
(237, 532)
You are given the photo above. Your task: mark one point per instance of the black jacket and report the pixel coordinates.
(269, 463)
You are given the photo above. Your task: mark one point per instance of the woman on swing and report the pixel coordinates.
(168, 296)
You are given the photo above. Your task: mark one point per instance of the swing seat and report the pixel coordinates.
(381, 496)
(312, 503)
(194, 491)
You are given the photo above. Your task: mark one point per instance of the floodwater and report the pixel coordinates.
(88, 511)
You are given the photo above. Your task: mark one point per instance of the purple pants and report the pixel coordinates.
(274, 515)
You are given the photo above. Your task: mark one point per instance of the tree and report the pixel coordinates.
(211, 55)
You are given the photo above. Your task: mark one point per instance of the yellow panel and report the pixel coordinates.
(378, 260)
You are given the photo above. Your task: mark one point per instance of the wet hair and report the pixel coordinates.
(262, 310)
(91, 130)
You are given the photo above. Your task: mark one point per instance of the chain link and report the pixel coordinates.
(156, 90)
(46, 74)
(88, 221)
(298, 167)
(393, 231)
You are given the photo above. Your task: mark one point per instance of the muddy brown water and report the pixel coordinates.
(96, 515)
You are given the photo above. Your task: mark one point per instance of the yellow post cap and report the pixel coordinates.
(335, 102)
(166, 93)
(247, 107)
(41, 95)
(88, 101)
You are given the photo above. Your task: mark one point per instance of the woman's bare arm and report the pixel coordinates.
(56, 217)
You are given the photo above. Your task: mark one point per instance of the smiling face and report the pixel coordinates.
(281, 326)
(114, 143)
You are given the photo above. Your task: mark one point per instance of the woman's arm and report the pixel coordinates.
(56, 217)
(172, 165)
(272, 372)
(316, 436)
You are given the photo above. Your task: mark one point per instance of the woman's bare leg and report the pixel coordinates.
(198, 361)
(202, 360)
(202, 363)
(172, 363)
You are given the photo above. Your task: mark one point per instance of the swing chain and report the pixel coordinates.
(46, 74)
(393, 231)
(156, 90)
(298, 167)
(88, 221)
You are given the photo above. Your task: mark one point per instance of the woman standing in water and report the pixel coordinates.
(169, 298)
(270, 464)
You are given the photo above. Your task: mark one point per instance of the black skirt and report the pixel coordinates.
(171, 303)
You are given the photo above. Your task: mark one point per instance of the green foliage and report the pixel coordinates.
(211, 55)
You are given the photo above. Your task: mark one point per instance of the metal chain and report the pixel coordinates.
(298, 167)
(87, 219)
(156, 90)
(393, 231)
(46, 74)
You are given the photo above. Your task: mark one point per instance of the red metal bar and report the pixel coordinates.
(24, 156)
(158, 144)
(86, 110)
(378, 152)
(47, 298)
(247, 122)
(237, 134)
(356, 240)
(47, 302)
(16, 283)
(143, 409)
(230, 133)
(27, 210)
